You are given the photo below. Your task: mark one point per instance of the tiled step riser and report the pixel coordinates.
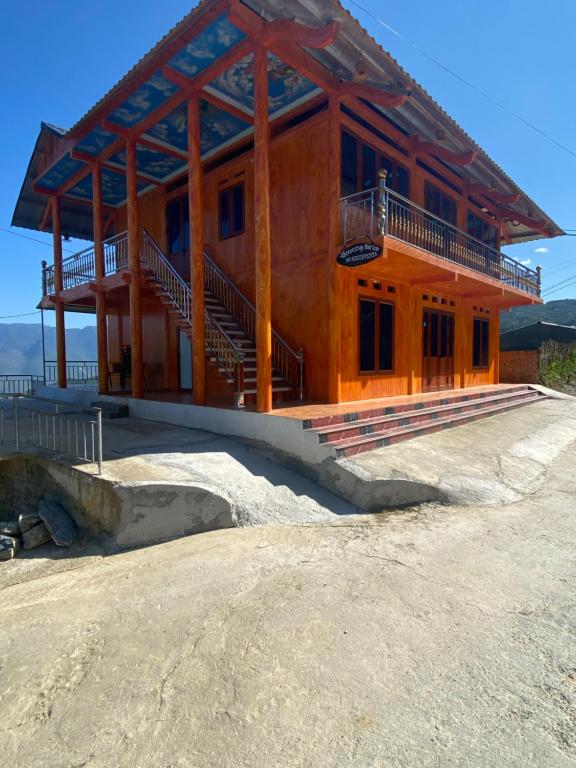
(452, 399)
(383, 442)
(350, 431)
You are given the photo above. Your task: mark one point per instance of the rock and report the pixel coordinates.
(9, 528)
(28, 520)
(35, 537)
(7, 548)
(61, 526)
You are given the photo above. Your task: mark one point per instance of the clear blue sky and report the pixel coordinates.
(58, 59)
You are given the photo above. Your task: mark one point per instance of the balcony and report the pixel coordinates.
(80, 268)
(381, 212)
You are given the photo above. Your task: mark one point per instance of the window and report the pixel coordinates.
(482, 230)
(440, 204)
(178, 226)
(231, 211)
(360, 166)
(481, 343)
(376, 336)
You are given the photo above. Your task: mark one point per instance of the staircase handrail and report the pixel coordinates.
(284, 358)
(223, 348)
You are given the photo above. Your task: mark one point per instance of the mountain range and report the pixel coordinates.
(21, 346)
(21, 343)
(562, 312)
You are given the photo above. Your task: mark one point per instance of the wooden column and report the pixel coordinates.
(334, 238)
(101, 320)
(494, 344)
(134, 264)
(262, 233)
(196, 214)
(59, 286)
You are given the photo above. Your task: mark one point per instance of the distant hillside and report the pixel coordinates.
(21, 346)
(562, 312)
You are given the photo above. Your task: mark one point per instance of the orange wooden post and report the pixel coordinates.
(101, 321)
(494, 344)
(262, 233)
(59, 286)
(196, 215)
(334, 238)
(134, 264)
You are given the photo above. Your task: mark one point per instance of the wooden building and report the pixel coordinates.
(278, 212)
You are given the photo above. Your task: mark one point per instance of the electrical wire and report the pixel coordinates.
(463, 80)
(33, 239)
(23, 314)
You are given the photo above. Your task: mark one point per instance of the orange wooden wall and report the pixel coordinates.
(299, 216)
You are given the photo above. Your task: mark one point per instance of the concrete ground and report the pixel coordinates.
(436, 636)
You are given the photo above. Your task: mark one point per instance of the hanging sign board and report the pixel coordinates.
(358, 253)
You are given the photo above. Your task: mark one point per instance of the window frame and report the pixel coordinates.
(361, 146)
(377, 301)
(230, 191)
(429, 186)
(484, 345)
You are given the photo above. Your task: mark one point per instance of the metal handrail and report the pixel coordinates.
(381, 211)
(288, 362)
(62, 432)
(225, 351)
(80, 268)
(82, 371)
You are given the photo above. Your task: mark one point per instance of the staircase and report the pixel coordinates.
(358, 431)
(230, 326)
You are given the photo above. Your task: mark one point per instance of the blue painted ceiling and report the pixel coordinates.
(218, 127)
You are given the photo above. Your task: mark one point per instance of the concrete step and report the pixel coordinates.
(354, 446)
(338, 432)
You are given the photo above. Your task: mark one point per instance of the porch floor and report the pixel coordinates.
(310, 410)
(305, 411)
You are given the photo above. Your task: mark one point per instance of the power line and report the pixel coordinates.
(33, 239)
(462, 79)
(24, 314)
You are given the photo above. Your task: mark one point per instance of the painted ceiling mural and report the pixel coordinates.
(151, 162)
(63, 170)
(95, 142)
(206, 47)
(143, 101)
(217, 128)
(113, 187)
(286, 86)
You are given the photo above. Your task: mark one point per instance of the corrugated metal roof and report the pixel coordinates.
(530, 337)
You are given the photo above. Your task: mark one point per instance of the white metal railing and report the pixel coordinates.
(19, 383)
(380, 211)
(220, 346)
(28, 422)
(285, 360)
(82, 372)
(80, 268)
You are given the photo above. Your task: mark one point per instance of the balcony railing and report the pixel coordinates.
(78, 372)
(80, 268)
(380, 211)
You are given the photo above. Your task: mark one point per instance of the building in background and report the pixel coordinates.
(520, 350)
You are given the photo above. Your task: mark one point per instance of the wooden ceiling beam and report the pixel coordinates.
(493, 194)
(430, 148)
(376, 95)
(434, 278)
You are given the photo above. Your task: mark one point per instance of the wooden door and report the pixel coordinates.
(437, 350)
